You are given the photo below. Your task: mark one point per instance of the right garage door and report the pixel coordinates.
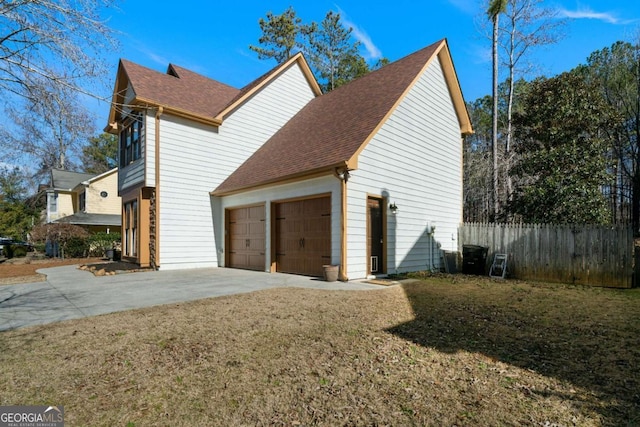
(303, 236)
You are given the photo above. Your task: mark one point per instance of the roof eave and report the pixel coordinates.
(151, 104)
(306, 70)
(117, 97)
(103, 174)
(314, 173)
(453, 84)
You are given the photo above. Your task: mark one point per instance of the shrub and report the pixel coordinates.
(72, 239)
(99, 242)
(7, 251)
(18, 251)
(76, 247)
(57, 232)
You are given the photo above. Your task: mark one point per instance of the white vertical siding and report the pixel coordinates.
(415, 161)
(246, 129)
(186, 164)
(149, 149)
(131, 175)
(195, 159)
(310, 187)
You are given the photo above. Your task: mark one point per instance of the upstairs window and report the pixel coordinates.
(82, 201)
(53, 202)
(131, 140)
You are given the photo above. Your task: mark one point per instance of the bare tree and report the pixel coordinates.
(48, 128)
(616, 70)
(527, 25)
(61, 41)
(478, 187)
(496, 7)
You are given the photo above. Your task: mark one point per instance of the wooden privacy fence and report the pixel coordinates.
(579, 254)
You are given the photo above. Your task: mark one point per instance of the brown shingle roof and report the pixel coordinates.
(179, 88)
(190, 94)
(331, 129)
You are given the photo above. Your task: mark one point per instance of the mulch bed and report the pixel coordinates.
(111, 268)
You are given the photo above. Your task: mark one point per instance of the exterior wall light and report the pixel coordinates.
(393, 208)
(342, 174)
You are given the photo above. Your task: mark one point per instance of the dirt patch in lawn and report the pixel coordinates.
(443, 351)
(23, 270)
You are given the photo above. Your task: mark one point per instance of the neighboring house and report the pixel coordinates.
(279, 177)
(87, 200)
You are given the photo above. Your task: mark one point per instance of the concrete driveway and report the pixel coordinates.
(69, 293)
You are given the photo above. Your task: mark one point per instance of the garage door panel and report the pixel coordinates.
(255, 228)
(303, 236)
(257, 245)
(246, 228)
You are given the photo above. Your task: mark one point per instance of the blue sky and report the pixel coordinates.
(212, 38)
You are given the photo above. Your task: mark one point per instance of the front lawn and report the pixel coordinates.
(450, 350)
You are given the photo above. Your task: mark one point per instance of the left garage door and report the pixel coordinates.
(246, 238)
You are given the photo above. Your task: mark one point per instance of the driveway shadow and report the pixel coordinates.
(589, 337)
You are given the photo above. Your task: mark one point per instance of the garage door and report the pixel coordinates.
(246, 238)
(303, 236)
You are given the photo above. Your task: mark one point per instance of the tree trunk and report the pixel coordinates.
(511, 77)
(635, 211)
(494, 128)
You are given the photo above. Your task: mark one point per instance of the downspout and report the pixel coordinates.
(343, 175)
(343, 232)
(157, 183)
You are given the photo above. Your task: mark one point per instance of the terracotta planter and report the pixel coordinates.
(331, 272)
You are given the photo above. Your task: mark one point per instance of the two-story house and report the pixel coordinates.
(277, 176)
(87, 200)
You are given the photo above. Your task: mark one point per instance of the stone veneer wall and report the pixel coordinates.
(152, 230)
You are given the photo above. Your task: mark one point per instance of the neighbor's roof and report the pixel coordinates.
(331, 130)
(82, 218)
(188, 94)
(67, 180)
(95, 178)
(103, 174)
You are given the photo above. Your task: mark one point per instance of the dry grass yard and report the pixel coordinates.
(443, 351)
(23, 270)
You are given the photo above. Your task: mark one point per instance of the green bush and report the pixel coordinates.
(76, 247)
(7, 251)
(99, 242)
(39, 247)
(18, 251)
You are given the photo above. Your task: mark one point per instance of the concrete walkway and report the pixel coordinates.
(69, 293)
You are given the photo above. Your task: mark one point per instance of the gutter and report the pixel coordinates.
(342, 173)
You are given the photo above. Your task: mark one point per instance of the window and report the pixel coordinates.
(82, 201)
(131, 140)
(53, 202)
(130, 228)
